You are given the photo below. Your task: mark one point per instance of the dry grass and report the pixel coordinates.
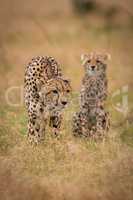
(64, 168)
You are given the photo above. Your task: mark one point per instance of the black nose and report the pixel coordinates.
(93, 67)
(64, 102)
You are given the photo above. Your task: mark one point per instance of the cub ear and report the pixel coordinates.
(83, 58)
(104, 57)
(107, 56)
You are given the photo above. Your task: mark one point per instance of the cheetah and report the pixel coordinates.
(46, 94)
(92, 120)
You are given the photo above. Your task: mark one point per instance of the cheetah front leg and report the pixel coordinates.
(31, 132)
(36, 129)
(55, 123)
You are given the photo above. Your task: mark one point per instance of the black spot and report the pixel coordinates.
(32, 132)
(55, 91)
(41, 109)
(34, 117)
(53, 118)
(37, 95)
(55, 126)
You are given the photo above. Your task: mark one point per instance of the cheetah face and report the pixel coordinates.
(55, 94)
(94, 64)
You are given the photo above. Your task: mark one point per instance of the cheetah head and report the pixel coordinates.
(55, 94)
(94, 64)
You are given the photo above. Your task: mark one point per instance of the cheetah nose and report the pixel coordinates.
(93, 67)
(64, 102)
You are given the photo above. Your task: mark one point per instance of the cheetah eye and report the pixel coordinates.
(55, 91)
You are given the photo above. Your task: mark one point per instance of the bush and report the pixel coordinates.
(84, 6)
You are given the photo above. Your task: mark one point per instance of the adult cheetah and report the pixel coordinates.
(46, 94)
(92, 120)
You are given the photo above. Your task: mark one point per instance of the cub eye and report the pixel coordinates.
(98, 61)
(55, 91)
(88, 61)
(68, 91)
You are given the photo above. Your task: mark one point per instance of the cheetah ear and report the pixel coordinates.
(42, 93)
(66, 80)
(38, 85)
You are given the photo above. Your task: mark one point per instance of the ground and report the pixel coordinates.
(67, 167)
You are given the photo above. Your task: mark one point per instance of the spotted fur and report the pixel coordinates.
(46, 95)
(93, 120)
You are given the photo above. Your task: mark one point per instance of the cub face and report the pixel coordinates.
(94, 63)
(55, 94)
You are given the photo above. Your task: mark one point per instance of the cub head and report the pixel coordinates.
(55, 94)
(94, 63)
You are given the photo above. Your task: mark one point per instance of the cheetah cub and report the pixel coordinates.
(46, 94)
(92, 120)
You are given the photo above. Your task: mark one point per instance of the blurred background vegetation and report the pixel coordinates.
(67, 168)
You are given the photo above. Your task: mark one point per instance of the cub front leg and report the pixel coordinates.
(77, 124)
(102, 125)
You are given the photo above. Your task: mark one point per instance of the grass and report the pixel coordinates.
(127, 135)
(81, 163)
(67, 167)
